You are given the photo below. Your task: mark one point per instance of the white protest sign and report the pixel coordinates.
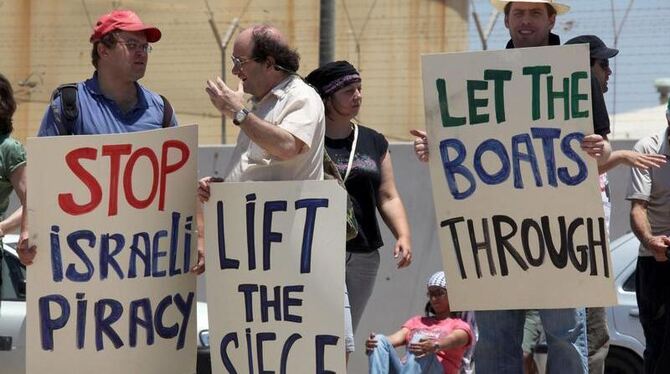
(113, 220)
(518, 203)
(275, 276)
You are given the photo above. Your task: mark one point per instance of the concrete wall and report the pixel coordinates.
(45, 43)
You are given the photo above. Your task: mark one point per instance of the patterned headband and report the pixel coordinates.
(338, 83)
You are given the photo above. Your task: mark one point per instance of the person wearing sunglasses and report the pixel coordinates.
(435, 342)
(600, 55)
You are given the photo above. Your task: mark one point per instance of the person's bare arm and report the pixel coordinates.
(25, 250)
(275, 140)
(639, 223)
(392, 210)
(632, 159)
(12, 222)
(397, 339)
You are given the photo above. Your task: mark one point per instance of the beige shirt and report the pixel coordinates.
(653, 186)
(297, 108)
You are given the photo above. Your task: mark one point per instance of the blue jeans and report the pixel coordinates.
(384, 360)
(498, 350)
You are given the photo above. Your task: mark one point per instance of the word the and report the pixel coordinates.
(281, 302)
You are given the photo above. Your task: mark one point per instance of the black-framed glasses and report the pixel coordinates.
(133, 46)
(239, 61)
(605, 64)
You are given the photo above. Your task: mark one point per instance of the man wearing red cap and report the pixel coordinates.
(112, 101)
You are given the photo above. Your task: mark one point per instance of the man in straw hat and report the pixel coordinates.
(499, 348)
(501, 332)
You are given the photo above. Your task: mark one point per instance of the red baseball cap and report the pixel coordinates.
(125, 20)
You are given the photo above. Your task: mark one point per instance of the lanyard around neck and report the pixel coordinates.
(351, 155)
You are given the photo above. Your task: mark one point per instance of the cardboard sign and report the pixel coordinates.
(517, 201)
(275, 276)
(113, 220)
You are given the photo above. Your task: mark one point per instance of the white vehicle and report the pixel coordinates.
(626, 337)
(13, 316)
(623, 320)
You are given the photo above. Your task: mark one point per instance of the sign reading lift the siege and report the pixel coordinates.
(275, 276)
(518, 203)
(112, 217)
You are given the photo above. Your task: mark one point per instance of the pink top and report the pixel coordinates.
(431, 327)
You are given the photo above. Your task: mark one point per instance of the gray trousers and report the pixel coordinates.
(598, 339)
(361, 273)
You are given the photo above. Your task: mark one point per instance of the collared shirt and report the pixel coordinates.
(101, 115)
(653, 186)
(297, 108)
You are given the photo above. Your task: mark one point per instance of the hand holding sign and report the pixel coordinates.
(508, 152)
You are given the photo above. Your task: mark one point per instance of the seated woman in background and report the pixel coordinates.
(435, 342)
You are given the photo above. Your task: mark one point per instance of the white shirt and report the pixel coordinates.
(297, 108)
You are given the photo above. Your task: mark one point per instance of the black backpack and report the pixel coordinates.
(70, 112)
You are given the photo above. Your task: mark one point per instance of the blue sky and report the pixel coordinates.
(644, 43)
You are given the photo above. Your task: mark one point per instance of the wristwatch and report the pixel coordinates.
(240, 116)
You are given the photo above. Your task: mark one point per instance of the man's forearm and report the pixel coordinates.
(639, 222)
(273, 139)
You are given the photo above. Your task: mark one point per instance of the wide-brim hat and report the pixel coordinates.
(560, 8)
(125, 20)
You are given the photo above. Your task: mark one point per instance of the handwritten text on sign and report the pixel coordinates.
(117, 238)
(276, 294)
(505, 129)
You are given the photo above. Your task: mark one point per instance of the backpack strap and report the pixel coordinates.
(65, 116)
(167, 112)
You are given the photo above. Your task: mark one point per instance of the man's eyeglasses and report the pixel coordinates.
(239, 61)
(133, 46)
(605, 64)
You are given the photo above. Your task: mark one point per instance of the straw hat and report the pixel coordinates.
(560, 8)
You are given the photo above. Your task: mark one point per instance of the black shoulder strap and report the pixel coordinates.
(66, 115)
(167, 112)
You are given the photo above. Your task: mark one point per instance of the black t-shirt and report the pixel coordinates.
(363, 182)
